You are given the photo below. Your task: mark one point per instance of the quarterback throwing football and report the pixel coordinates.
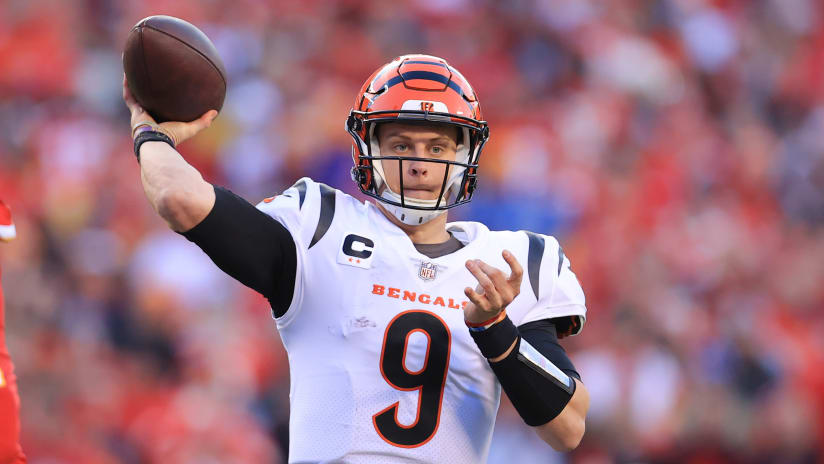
(401, 328)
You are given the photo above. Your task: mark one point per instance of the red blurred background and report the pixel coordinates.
(675, 148)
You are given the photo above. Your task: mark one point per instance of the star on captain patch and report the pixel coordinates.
(428, 271)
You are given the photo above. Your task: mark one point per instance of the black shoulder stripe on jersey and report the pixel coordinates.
(301, 188)
(534, 257)
(327, 212)
(560, 259)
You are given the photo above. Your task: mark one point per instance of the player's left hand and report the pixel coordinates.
(494, 291)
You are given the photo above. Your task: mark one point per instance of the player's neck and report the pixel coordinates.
(430, 232)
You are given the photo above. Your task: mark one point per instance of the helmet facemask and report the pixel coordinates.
(459, 180)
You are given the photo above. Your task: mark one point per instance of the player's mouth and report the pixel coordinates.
(420, 193)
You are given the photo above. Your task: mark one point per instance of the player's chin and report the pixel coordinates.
(420, 194)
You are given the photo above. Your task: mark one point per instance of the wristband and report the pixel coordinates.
(495, 340)
(481, 326)
(141, 127)
(150, 136)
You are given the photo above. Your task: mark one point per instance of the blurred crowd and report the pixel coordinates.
(675, 148)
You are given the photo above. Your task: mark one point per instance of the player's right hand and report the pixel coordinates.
(177, 131)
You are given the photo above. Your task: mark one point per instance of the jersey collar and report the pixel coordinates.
(472, 234)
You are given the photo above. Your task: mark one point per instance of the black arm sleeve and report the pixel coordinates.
(542, 335)
(250, 246)
(537, 393)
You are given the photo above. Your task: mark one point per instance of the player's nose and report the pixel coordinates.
(418, 168)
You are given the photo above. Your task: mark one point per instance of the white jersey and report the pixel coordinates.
(383, 368)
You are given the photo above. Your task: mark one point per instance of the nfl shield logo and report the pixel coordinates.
(428, 271)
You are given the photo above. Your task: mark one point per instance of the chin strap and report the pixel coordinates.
(408, 216)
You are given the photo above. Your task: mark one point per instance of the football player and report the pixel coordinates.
(10, 451)
(401, 328)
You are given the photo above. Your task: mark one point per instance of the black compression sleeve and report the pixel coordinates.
(537, 392)
(250, 246)
(543, 336)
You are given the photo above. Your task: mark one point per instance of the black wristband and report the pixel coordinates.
(150, 136)
(495, 340)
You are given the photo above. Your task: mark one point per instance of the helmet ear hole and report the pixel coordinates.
(473, 184)
(353, 124)
(362, 175)
(470, 184)
(367, 177)
(357, 175)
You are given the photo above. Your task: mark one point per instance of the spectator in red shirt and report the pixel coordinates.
(10, 451)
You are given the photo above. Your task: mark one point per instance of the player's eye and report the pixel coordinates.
(437, 150)
(400, 147)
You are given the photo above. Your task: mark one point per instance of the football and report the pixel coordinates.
(173, 70)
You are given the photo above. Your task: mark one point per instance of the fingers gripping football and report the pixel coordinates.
(495, 290)
(177, 131)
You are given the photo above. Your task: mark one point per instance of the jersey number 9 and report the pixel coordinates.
(429, 381)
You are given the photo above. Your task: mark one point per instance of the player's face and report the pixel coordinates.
(422, 179)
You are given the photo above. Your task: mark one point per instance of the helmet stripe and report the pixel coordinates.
(424, 75)
(425, 62)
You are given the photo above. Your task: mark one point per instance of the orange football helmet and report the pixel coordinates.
(420, 89)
